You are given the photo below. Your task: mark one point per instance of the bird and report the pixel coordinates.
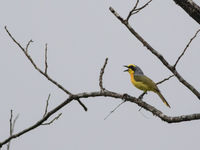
(142, 82)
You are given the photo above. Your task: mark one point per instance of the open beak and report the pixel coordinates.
(126, 69)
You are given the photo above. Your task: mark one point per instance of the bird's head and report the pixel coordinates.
(133, 69)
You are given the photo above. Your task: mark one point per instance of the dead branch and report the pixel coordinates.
(27, 46)
(101, 75)
(136, 10)
(81, 103)
(156, 53)
(44, 73)
(35, 66)
(111, 94)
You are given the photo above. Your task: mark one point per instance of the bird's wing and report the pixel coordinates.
(147, 81)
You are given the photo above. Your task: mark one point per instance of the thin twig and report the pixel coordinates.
(142, 7)
(56, 118)
(114, 110)
(130, 13)
(83, 105)
(164, 80)
(12, 126)
(135, 10)
(10, 122)
(46, 65)
(101, 75)
(47, 104)
(186, 48)
(27, 46)
(14, 122)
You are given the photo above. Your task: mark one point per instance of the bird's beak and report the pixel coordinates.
(126, 69)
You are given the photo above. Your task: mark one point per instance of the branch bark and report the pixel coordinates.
(191, 8)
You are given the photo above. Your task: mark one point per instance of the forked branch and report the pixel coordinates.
(44, 73)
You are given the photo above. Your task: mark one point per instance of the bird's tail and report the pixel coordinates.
(163, 99)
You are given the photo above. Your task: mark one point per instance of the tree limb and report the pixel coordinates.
(111, 94)
(191, 8)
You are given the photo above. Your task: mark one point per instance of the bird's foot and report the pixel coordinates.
(142, 95)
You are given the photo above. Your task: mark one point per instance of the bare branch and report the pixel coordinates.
(56, 118)
(47, 104)
(131, 12)
(135, 10)
(46, 65)
(142, 7)
(158, 55)
(27, 46)
(44, 73)
(106, 93)
(164, 80)
(101, 75)
(12, 126)
(83, 105)
(35, 66)
(186, 48)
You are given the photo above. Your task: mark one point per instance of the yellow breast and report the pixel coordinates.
(139, 85)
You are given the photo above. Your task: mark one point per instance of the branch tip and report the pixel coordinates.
(83, 105)
(50, 122)
(165, 79)
(101, 75)
(46, 64)
(47, 104)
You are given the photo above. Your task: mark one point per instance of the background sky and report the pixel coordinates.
(80, 35)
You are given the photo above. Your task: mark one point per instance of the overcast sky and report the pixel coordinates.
(80, 35)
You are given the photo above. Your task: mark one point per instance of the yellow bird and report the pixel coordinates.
(142, 82)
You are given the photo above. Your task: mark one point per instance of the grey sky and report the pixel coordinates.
(80, 35)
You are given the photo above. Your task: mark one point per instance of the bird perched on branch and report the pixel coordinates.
(142, 82)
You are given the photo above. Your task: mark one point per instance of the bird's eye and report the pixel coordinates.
(132, 68)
